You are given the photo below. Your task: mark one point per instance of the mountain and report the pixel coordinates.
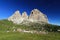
(6, 25)
(35, 16)
(8, 31)
(16, 17)
(24, 15)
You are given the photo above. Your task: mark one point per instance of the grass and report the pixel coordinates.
(28, 36)
(6, 25)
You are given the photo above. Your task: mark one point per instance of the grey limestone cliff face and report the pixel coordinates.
(35, 16)
(16, 17)
(24, 15)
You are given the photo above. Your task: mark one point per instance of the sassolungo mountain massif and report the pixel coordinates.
(32, 27)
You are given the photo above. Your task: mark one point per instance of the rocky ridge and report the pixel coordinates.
(35, 16)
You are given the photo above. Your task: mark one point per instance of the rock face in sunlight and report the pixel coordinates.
(35, 16)
(16, 17)
(24, 15)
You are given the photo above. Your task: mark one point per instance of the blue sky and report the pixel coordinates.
(49, 7)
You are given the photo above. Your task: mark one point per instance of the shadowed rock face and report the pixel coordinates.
(35, 16)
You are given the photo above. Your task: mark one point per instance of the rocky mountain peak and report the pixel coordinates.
(16, 17)
(35, 16)
(24, 15)
(17, 13)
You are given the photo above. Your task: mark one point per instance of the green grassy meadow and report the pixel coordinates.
(8, 26)
(28, 36)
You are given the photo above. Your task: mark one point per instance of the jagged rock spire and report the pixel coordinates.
(16, 15)
(35, 16)
(24, 15)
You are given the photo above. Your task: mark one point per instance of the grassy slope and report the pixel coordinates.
(6, 25)
(28, 36)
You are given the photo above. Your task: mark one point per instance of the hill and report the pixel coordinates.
(8, 25)
(7, 31)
